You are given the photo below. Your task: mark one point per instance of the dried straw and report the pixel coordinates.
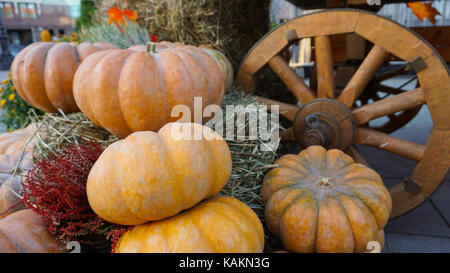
(60, 129)
(231, 26)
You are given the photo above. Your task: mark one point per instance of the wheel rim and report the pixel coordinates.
(388, 37)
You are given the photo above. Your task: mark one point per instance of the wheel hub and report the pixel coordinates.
(325, 122)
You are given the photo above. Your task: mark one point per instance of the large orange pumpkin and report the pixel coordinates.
(130, 90)
(218, 225)
(221, 60)
(321, 201)
(43, 73)
(224, 64)
(24, 232)
(150, 176)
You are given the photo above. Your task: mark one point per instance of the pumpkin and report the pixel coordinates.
(224, 64)
(24, 232)
(46, 36)
(131, 90)
(221, 224)
(43, 73)
(321, 201)
(221, 60)
(13, 143)
(10, 185)
(379, 239)
(150, 176)
(9, 201)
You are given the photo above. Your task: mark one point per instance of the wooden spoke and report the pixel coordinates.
(389, 143)
(404, 101)
(297, 86)
(287, 110)
(288, 134)
(354, 152)
(324, 64)
(362, 76)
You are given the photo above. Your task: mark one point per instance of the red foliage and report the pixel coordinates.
(56, 189)
(115, 234)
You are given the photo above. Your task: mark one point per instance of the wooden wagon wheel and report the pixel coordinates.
(333, 121)
(377, 90)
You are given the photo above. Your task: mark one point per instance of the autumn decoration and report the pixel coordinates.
(321, 201)
(218, 225)
(131, 181)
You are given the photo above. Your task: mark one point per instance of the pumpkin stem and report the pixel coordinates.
(151, 47)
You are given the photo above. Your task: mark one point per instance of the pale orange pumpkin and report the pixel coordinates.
(10, 186)
(43, 73)
(222, 61)
(150, 176)
(321, 201)
(221, 224)
(25, 232)
(13, 143)
(130, 90)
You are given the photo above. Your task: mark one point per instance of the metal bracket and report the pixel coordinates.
(411, 186)
(291, 35)
(416, 65)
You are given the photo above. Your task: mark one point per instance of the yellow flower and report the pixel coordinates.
(13, 111)
(10, 130)
(9, 116)
(2, 102)
(5, 81)
(12, 96)
(1, 89)
(13, 88)
(22, 105)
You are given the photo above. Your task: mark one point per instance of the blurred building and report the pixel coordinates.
(24, 19)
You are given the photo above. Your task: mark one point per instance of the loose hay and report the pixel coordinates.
(56, 130)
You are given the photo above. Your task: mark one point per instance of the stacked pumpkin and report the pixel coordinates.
(154, 176)
(11, 147)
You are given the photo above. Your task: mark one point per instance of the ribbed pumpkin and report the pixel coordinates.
(24, 232)
(12, 143)
(224, 65)
(221, 60)
(9, 201)
(43, 73)
(129, 90)
(221, 224)
(150, 176)
(321, 201)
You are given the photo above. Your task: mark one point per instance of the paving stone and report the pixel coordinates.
(403, 243)
(423, 220)
(441, 198)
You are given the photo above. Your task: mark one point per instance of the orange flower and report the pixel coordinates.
(131, 15)
(116, 17)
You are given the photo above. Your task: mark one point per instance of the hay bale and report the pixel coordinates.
(231, 26)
